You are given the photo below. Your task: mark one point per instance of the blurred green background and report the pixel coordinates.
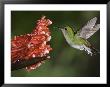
(65, 61)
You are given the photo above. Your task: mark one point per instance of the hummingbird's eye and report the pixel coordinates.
(65, 28)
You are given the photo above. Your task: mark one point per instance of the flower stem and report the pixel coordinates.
(24, 63)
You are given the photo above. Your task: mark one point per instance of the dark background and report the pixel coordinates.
(65, 60)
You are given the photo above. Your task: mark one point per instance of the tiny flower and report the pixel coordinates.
(49, 38)
(33, 55)
(48, 57)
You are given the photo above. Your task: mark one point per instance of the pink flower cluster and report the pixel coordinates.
(32, 45)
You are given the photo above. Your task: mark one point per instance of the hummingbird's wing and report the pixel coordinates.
(89, 29)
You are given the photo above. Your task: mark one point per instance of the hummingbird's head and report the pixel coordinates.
(68, 32)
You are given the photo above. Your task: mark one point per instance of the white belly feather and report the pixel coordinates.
(80, 47)
(83, 47)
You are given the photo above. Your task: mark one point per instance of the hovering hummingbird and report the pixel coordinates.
(78, 39)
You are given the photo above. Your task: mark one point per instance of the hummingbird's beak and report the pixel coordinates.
(60, 28)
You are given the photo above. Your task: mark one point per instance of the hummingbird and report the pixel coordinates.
(78, 39)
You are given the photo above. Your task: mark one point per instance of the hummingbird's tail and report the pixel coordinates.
(94, 51)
